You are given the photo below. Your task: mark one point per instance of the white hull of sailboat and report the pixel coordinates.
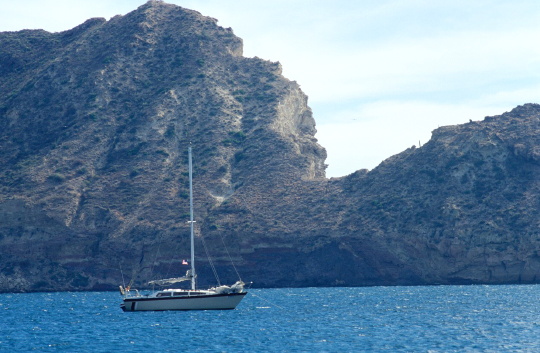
(203, 302)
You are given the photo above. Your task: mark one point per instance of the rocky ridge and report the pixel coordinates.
(94, 127)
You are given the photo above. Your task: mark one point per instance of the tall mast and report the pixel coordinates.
(191, 221)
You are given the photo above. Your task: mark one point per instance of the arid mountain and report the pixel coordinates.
(94, 128)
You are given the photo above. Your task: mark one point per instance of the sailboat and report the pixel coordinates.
(216, 298)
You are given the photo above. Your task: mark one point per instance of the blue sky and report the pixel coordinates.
(380, 75)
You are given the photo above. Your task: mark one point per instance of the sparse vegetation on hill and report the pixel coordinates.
(94, 128)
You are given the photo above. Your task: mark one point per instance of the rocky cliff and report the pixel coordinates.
(94, 128)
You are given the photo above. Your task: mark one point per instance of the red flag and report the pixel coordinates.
(184, 262)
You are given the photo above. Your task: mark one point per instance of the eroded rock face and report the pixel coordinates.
(95, 125)
(94, 128)
(461, 208)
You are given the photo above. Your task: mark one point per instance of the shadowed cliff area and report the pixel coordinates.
(95, 123)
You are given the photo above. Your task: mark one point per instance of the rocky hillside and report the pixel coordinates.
(94, 128)
(461, 209)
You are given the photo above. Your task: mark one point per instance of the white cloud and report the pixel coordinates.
(362, 137)
(460, 62)
(509, 98)
(59, 15)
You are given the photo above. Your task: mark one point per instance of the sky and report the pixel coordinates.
(380, 75)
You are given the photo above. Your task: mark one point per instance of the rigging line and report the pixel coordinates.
(210, 260)
(223, 241)
(178, 257)
(172, 262)
(122, 273)
(230, 258)
(155, 259)
(266, 300)
(154, 263)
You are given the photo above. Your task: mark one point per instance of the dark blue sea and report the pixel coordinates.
(375, 319)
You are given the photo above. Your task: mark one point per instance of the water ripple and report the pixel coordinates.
(378, 319)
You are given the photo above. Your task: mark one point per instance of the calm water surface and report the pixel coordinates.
(378, 319)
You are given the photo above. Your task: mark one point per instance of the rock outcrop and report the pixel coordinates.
(94, 128)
